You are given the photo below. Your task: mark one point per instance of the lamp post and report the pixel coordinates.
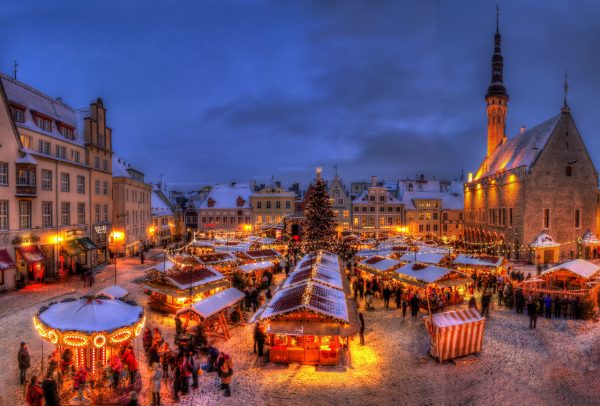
(116, 237)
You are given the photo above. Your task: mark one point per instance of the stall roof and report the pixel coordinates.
(215, 303)
(176, 292)
(424, 257)
(428, 274)
(456, 317)
(162, 266)
(261, 254)
(91, 316)
(216, 257)
(31, 254)
(113, 292)
(543, 240)
(86, 243)
(323, 275)
(488, 261)
(579, 267)
(254, 266)
(590, 238)
(6, 260)
(382, 264)
(194, 277)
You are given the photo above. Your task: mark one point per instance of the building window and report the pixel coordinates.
(80, 213)
(381, 221)
(65, 213)
(259, 205)
(435, 227)
(372, 209)
(355, 221)
(420, 228)
(105, 165)
(97, 188)
(80, 184)
(75, 156)
(3, 214)
(444, 216)
(382, 208)
(435, 216)
(44, 147)
(510, 217)
(46, 214)
(390, 221)
(105, 213)
(546, 218)
(372, 198)
(3, 174)
(428, 227)
(97, 162)
(18, 114)
(268, 205)
(66, 132)
(65, 182)
(105, 188)
(46, 179)
(288, 204)
(24, 214)
(346, 214)
(26, 177)
(61, 152)
(98, 213)
(278, 204)
(43, 123)
(569, 171)
(445, 227)
(577, 218)
(27, 141)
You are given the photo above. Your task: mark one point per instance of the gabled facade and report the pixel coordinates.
(377, 212)
(226, 209)
(270, 206)
(341, 203)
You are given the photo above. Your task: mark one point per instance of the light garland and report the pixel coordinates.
(99, 340)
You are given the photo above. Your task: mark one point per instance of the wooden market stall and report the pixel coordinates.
(544, 250)
(590, 245)
(172, 290)
(378, 265)
(260, 255)
(475, 264)
(211, 313)
(430, 258)
(455, 334)
(87, 333)
(223, 262)
(311, 318)
(255, 270)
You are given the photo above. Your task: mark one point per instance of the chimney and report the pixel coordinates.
(522, 129)
(373, 180)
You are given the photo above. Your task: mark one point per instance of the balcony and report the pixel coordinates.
(26, 184)
(25, 190)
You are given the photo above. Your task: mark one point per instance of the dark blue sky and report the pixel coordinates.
(206, 92)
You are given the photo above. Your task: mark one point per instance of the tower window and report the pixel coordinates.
(569, 171)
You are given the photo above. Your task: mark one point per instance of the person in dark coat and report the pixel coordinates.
(24, 361)
(50, 389)
(404, 307)
(362, 328)
(398, 297)
(387, 294)
(557, 307)
(260, 339)
(532, 312)
(486, 300)
(414, 305)
(548, 306)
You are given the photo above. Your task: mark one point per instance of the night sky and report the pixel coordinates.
(207, 92)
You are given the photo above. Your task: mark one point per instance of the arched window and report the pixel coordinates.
(569, 171)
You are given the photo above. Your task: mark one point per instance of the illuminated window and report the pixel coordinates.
(546, 218)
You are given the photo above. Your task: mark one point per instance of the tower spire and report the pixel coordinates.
(496, 97)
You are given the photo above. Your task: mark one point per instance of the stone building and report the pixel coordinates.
(226, 210)
(59, 215)
(541, 180)
(162, 230)
(270, 206)
(341, 203)
(376, 212)
(131, 205)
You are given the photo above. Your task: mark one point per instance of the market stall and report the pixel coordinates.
(476, 264)
(455, 334)
(223, 262)
(113, 292)
(378, 265)
(259, 256)
(544, 250)
(255, 270)
(310, 319)
(211, 313)
(87, 333)
(170, 291)
(8, 270)
(431, 258)
(590, 245)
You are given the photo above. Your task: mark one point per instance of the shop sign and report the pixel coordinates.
(25, 239)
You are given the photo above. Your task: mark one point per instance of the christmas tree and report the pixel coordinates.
(319, 225)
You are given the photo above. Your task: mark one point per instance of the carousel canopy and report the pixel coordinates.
(91, 316)
(215, 303)
(488, 261)
(113, 292)
(255, 266)
(543, 240)
(578, 267)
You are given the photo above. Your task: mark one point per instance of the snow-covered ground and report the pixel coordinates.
(556, 364)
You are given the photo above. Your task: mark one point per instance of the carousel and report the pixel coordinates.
(88, 334)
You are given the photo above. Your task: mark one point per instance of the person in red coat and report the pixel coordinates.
(35, 394)
(131, 362)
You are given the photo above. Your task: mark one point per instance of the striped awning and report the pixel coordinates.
(71, 247)
(86, 243)
(6, 261)
(31, 254)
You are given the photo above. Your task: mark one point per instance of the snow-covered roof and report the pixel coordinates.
(91, 316)
(35, 101)
(456, 317)
(543, 240)
(380, 264)
(162, 266)
(521, 150)
(160, 208)
(579, 267)
(364, 198)
(253, 266)
(113, 292)
(424, 257)
(427, 274)
(489, 261)
(226, 197)
(215, 303)
(194, 277)
(26, 159)
(590, 238)
(237, 247)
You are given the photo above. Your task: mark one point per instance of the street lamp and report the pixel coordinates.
(116, 237)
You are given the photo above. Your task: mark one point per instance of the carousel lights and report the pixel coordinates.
(75, 340)
(99, 340)
(52, 336)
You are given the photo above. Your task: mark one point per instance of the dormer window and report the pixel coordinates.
(210, 202)
(240, 201)
(66, 130)
(42, 121)
(18, 113)
(410, 187)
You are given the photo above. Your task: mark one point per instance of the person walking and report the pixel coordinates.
(500, 294)
(155, 380)
(548, 306)
(398, 297)
(226, 373)
(387, 294)
(362, 328)
(532, 312)
(260, 339)
(133, 399)
(24, 361)
(50, 390)
(557, 307)
(35, 394)
(486, 300)
(404, 307)
(473, 303)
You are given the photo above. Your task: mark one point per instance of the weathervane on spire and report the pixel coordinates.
(566, 88)
(497, 18)
(15, 69)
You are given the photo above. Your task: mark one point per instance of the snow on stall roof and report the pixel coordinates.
(34, 100)
(456, 317)
(428, 274)
(424, 257)
(464, 259)
(238, 247)
(382, 265)
(162, 266)
(215, 303)
(520, 150)
(113, 292)
(195, 277)
(93, 316)
(226, 196)
(580, 267)
(543, 240)
(253, 266)
(589, 238)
